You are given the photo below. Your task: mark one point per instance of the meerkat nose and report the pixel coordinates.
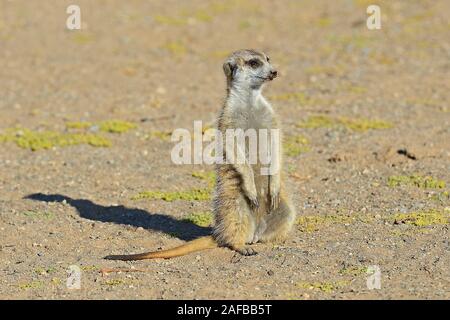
(273, 74)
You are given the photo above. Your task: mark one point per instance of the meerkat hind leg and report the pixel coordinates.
(235, 226)
(278, 223)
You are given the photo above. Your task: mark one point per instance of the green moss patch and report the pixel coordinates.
(45, 271)
(361, 125)
(90, 268)
(38, 140)
(353, 271)
(83, 38)
(318, 122)
(323, 22)
(326, 287)
(426, 182)
(173, 234)
(110, 126)
(31, 285)
(116, 126)
(190, 195)
(295, 145)
(38, 214)
(354, 89)
(202, 219)
(161, 135)
(314, 223)
(114, 282)
(209, 177)
(196, 194)
(422, 218)
(364, 124)
(47, 139)
(79, 125)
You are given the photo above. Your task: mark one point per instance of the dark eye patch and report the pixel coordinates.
(268, 59)
(254, 63)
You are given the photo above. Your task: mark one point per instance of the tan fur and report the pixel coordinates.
(248, 207)
(207, 242)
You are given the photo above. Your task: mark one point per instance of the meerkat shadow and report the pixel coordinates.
(87, 209)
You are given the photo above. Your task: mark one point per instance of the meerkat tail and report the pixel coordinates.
(195, 245)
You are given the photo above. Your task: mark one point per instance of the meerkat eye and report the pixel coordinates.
(268, 59)
(254, 63)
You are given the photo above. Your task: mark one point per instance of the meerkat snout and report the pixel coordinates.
(273, 74)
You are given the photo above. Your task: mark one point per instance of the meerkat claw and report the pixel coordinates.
(254, 203)
(247, 251)
(274, 201)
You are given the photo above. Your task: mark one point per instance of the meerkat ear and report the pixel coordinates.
(228, 69)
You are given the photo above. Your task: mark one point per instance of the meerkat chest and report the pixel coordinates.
(254, 116)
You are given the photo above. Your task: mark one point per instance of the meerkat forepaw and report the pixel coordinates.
(252, 195)
(274, 201)
(274, 192)
(254, 203)
(253, 198)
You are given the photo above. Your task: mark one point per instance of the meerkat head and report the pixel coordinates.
(248, 68)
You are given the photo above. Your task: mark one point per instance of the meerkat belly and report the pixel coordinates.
(262, 179)
(262, 186)
(258, 154)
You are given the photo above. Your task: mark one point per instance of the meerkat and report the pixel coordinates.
(248, 206)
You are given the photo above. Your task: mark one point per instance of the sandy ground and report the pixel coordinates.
(158, 64)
